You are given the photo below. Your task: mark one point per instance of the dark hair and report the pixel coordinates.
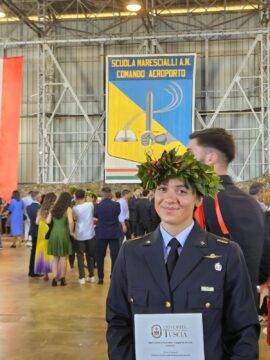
(48, 201)
(186, 184)
(118, 194)
(255, 188)
(145, 192)
(80, 194)
(61, 205)
(217, 138)
(42, 198)
(106, 192)
(125, 192)
(16, 195)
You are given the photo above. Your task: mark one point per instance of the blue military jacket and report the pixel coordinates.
(108, 226)
(140, 285)
(32, 211)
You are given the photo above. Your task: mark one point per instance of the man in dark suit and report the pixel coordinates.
(132, 211)
(143, 214)
(107, 230)
(182, 269)
(242, 215)
(33, 232)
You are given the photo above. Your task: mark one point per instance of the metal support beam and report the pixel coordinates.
(89, 141)
(46, 75)
(234, 81)
(138, 39)
(47, 154)
(74, 95)
(21, 15)
(265, 100)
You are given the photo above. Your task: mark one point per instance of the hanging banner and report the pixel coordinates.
(10, 105)
(150, 107)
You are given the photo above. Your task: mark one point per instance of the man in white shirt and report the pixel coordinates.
(84, 231)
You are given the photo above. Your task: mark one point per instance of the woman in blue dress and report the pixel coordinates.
(16, 218)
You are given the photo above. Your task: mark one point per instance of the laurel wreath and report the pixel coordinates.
(199, 175)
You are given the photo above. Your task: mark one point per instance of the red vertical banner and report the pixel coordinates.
(11, 70)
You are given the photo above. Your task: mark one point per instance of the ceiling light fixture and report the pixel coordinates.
(133, 5)
(2, 13)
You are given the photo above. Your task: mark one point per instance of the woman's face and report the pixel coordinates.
(175, 204)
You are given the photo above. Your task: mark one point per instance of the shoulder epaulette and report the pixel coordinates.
(223, 241)
(136, 238)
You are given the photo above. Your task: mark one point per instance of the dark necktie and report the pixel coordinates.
(173, 256)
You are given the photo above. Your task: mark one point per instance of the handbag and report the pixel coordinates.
(48, 233)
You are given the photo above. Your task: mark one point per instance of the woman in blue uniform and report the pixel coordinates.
(180, 268)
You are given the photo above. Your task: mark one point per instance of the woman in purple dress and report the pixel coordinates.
(16, 218)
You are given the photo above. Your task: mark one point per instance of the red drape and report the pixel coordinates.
(11, 88)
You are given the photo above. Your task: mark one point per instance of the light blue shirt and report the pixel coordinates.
(181, 237)
(124, 211)
(27, 200)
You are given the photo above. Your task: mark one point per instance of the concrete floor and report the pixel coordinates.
(39, 322)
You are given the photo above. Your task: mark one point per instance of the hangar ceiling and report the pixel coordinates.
(42, 16)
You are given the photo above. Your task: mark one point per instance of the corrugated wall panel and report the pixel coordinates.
(83, 64)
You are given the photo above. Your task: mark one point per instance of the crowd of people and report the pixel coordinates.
(194, 229)
(81, 225)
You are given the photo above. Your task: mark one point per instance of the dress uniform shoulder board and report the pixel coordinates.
(223, 241)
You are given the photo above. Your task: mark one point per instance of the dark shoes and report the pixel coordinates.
(100, 281)
(63, 282)
(34, 275)
(13, 246)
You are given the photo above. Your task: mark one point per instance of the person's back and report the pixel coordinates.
(27, 200)
(84, 234)
(107, 212)
(143, 211)
(84, 228)
(132, 211)
(107, 230)
(240, 212)
(31, 211)
(59, 227)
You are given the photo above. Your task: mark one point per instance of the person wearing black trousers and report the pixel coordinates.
(132, 211)
(143, 214)
(32, 214)
(107, 230)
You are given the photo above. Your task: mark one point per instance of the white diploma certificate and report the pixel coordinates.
(169, 336)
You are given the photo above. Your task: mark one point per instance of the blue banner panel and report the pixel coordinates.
(150, 107)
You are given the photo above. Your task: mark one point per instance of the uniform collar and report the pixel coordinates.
(181, 237)
(226, 179)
